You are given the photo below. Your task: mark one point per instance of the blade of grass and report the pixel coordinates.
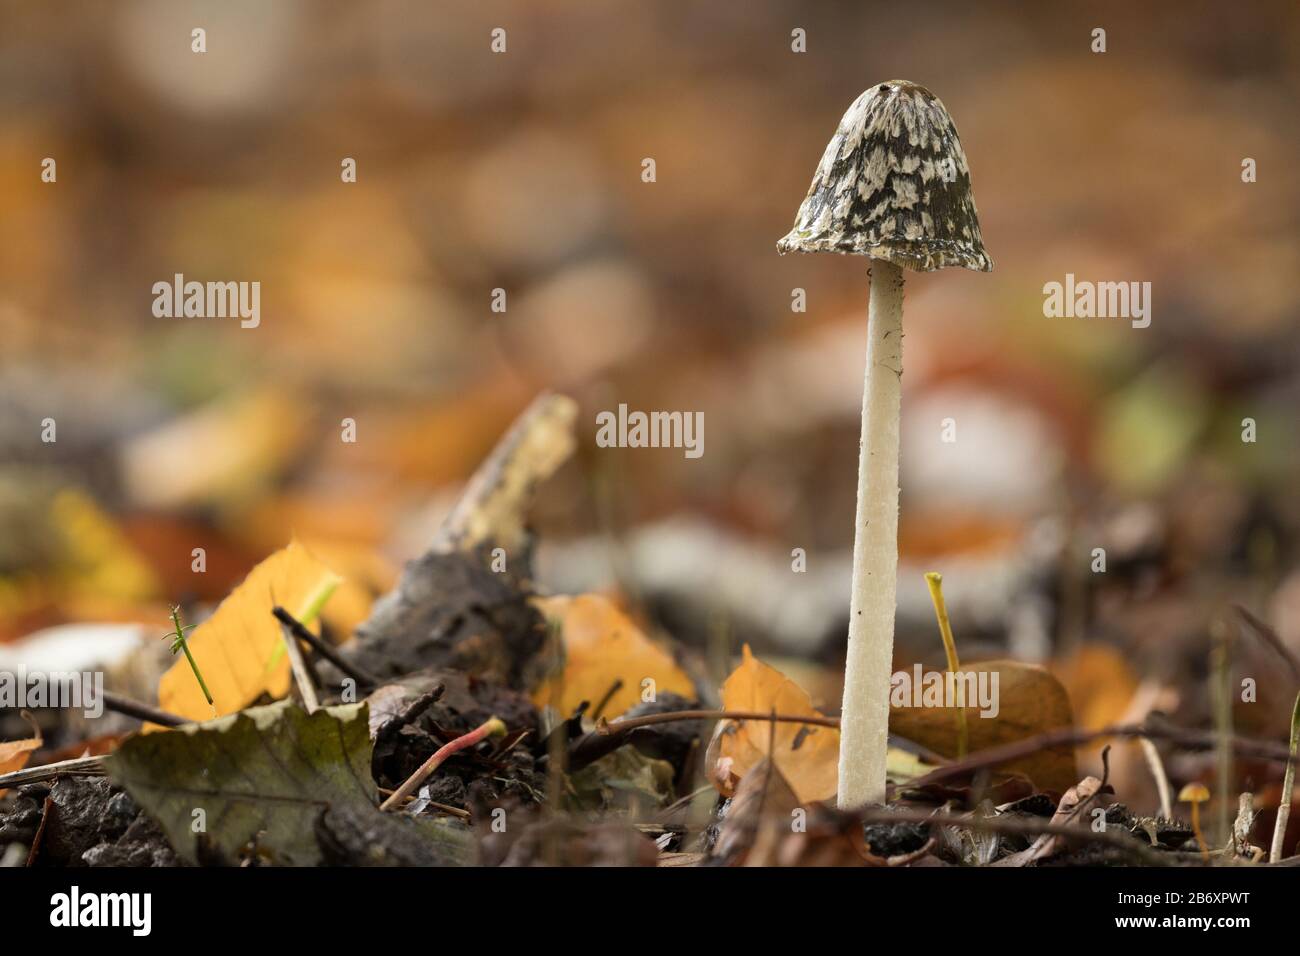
(1288, 789)
(934, 581)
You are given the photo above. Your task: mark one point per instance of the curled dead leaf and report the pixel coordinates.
(14, 754)
(604, 649)
(1029, 701)
(806, 755)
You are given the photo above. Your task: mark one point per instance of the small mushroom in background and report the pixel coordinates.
(1196, 794)
(892, 185)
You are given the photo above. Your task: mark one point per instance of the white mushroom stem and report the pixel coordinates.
(864, 725)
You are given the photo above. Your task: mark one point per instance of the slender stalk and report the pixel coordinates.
(1288, 789)
(1221, 696)
(1196, 828)
(492, 727)
(181, 643)
(185, 647)
(865, 724)
(1157, 768)
(934, 581)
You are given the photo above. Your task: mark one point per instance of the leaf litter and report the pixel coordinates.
(615, 751)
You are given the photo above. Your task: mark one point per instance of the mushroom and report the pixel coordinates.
(892, 185)
(1196, 794)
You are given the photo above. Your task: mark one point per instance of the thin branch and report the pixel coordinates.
(629, 724)
(440, 807)
(1117, 839)
(1271, 638)
(614, 688)
(324, 649)
(408, 716)
(300, 676)
(87, 766)
(992, 756)
(134, 708)
(1069, 737)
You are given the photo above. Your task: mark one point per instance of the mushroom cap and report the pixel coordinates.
(1194, 793)
(893, 184)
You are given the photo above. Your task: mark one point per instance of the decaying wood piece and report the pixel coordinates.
(87, 766)
(453, 607)
(495, 501)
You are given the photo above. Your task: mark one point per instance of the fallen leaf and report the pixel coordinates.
(223, 453)
(14, 754)
(806, 755)
(602, 647)
(625, 782)
(365, 576)
(239, 649)
(98, 558)
(764, 802)
(278, 785)
(1030, 701)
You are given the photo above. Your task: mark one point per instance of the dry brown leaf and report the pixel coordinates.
(239, 649)
(806, 755)
(14, 754)
(1030, 702)
(222, 453)
(601, 647)
(758, 816)
(1049, 844)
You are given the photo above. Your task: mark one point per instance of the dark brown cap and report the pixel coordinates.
(893, 184)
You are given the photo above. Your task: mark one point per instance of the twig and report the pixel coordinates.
(1288, 789)
(47, 808)
(323, 648)
(134, 708)
(1271, 638)
(1069, 737)
(411, 714)
(1047, 846)
(614, 688)
(989, 757)
(440, 807)
(1119, 840)
(493, 726)
(629, 724)
(683, 802)
(305, 687)
(89, 766)
(903, 859)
